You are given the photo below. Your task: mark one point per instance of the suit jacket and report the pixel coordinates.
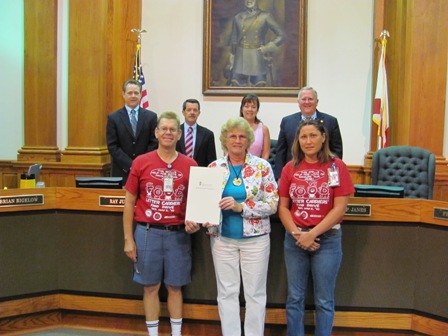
(204, 151)
(288, 129)
(123, 146)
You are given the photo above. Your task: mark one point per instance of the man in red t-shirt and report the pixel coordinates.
(156, 197)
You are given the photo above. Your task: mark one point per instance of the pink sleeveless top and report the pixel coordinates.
(257, 147)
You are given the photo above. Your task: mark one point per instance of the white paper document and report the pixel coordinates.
(204, 194)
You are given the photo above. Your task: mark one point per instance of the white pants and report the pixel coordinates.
(252, 256)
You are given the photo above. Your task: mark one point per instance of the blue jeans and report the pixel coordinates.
(324, 266)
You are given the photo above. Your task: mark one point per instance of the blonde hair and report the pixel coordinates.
(233, 124)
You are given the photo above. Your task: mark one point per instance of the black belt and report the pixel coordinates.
(167, 227)
(330, 232)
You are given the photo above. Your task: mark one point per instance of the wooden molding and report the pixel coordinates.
(85, 155)
(53, 173)
(15, 309)
(39, 154)
(410, 210)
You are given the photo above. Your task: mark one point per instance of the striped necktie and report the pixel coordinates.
(133, 122)
(189, 142)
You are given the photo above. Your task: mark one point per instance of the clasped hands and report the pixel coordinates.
(306, 241)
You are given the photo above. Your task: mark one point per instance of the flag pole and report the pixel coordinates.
(385, 109)
(381, 104)
(137, 60)
(138, 69)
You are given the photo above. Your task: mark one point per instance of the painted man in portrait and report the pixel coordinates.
(255, 38)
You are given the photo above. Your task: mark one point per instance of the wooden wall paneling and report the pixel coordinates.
(416, 61)
(40, 67)
(59, 174)
(31, 305)
(88, 69)
(417, 64)
(396, 63)
(64, 174)
(123, 48)
(428, 26)
(407, 222)
(54, 174)
(99, 57)
(357, 174)
(8, 180)
(441, 187)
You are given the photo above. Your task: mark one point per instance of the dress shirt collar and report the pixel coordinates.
(186, 127)
(130, 109)
(314, 116)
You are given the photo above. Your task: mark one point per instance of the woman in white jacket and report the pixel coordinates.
(240, 243)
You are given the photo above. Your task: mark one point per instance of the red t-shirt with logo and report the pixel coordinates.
(153, 204)
(308, 188)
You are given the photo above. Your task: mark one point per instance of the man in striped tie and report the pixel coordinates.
(196, 142)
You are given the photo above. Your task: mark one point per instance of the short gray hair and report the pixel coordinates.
(307, 88)
(236, 123)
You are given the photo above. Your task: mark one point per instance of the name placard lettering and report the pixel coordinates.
(111, 201)
(358, 210)
(441, 213)
(21, 200)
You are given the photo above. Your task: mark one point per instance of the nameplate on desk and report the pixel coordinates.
(21, 200)
(112, 201)
(358, 210)
(441, 213)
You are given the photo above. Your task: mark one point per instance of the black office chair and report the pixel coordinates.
(35, 169)
(412, 168)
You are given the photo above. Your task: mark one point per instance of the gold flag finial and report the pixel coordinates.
(139, 33)
(384, 36)
(137, 66)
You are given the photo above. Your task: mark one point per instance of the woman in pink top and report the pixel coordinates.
(249, 110)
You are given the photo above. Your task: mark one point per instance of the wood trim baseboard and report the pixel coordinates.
(14, 309)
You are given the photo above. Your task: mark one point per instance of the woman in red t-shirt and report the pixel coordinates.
(314, 191)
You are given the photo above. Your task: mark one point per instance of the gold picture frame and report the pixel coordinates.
(261, 50)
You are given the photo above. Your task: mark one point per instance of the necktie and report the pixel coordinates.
(133, 122)
(189, 142)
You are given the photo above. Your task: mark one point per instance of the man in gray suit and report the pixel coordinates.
(204, 150)
(123, 142)
(308, 100)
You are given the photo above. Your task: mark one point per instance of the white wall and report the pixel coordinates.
(11, 78)
(339, 67)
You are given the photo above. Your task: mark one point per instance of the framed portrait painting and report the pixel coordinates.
(254, 45)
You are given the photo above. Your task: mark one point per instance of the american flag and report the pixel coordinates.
(138, 75)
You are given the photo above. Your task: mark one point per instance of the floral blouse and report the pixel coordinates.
(261, 195)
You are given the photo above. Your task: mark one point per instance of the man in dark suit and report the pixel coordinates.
(203, 140)
(123, 142)
(308, 100)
